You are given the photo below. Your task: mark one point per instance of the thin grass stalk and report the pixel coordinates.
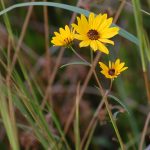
(23, 32)
(11, 106)
(36, 117)
(114, 125)
(144, 132)
(33, 107)
(123, 2)
(36, 111)
(7, 23)
(74, 51)
(122, 92)
(34, 127)
(147, 45)
(111, 117)
(7, 121)
(131, 139)
(54, 71)
(142, 46)
(46, 31)
(90, 136)
(88, 133)
(70, 118)
(76, 122)
(58, 126)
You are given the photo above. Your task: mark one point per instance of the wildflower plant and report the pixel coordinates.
(94, 31)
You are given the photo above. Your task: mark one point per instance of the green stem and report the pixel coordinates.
(114, 124)
(78, 55)
(91, 54)
(112, 119)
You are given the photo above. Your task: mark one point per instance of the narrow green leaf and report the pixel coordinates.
(76, 63)
(140, 31)
(122, 32)
(120, 102)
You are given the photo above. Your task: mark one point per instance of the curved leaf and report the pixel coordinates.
(119, 101)
(122, 32)
(76, 63)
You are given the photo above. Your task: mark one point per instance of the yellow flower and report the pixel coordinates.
(64, 38)
(95, 31)
(114, 69)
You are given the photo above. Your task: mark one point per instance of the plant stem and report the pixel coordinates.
(110, 113)
(78, 55)
(112, 119)
(114, 124)
(144, 132)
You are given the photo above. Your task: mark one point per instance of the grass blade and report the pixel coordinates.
(122, 32)
(120, 102)
(75, 63)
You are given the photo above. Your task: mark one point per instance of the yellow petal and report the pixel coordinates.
(103, 66)
(80, 37)
(106, 41)
(117, 62)
(84, 23)
(84, 43)
(94, 45)
(105, 24)
(80, 28)
(91, 19)
(120, 66)
(62, 31)
(123, 69)
(56, 33)
(104, 73)
(109, 64)
(102, 47)
(110, 32)
(96, 22)
(84, 20)
(102, 19)
(113, 65)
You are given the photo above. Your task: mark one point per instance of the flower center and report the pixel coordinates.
(93, 34)
(111, 72)
(68, 41)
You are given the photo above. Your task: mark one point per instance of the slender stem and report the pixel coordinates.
(110, 113)
(111, 82)
(147, 87)
(114, 124)
(92, 123)
(119, 10)
(77, 122)
(46, 30)
(22, 35)
(78, 55)
(70, 118)
(91, 54)
(112, 119)
(144, 132)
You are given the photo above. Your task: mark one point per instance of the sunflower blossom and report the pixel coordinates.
(113, 70)
(64, 38)
(95, 31)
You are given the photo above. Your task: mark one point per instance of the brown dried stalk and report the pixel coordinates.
(144, 132)
(56, 67)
